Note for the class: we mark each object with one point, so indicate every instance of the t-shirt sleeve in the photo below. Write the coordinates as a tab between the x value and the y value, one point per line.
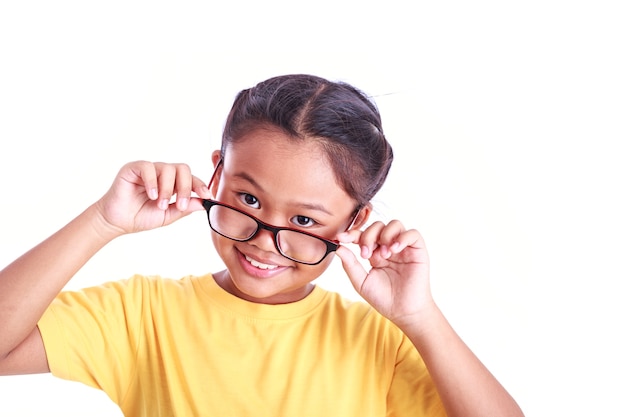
412	391
92	336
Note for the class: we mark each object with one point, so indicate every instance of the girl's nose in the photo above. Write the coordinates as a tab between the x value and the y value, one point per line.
264	240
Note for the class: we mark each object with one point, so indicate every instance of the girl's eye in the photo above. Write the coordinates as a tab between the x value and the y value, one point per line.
250	200
303	221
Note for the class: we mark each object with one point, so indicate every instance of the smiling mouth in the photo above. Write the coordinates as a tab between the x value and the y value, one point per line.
260	265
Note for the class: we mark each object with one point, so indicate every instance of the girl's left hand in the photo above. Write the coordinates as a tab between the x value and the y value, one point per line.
397	285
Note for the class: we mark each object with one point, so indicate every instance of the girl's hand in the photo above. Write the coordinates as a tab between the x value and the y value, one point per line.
139	198
397	284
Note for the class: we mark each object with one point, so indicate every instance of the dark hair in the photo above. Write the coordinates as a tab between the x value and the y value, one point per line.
342	118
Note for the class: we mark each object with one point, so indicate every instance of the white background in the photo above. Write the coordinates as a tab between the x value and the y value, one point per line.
507	119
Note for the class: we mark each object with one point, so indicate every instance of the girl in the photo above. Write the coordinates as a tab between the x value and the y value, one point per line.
301	158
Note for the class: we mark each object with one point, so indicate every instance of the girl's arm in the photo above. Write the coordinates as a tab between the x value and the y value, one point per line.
398	286
30	283
465	385
138	200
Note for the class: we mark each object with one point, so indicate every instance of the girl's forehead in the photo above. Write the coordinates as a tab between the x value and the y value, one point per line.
276	138
274	162
289	169
273	149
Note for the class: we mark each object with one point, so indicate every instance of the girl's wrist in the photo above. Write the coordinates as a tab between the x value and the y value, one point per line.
103	230
421	325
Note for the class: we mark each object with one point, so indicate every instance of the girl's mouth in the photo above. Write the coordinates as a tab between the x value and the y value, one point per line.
259	269
258	264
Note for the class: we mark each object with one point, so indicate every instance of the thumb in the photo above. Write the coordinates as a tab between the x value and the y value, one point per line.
355	271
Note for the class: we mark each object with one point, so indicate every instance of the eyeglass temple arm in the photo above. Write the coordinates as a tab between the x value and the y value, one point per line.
217	166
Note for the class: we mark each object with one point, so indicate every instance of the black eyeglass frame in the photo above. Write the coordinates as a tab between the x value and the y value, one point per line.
331	245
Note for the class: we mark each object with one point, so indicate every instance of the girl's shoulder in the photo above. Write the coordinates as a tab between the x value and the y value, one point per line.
355	315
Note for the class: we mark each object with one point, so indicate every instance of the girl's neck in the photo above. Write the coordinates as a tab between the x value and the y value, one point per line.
224	280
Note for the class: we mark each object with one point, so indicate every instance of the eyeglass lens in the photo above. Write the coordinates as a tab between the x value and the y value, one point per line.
239	226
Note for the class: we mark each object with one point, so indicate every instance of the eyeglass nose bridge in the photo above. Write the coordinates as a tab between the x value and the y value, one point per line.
272	229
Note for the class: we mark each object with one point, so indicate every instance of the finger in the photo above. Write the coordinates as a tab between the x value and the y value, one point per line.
369	239
182	186
390	233
199	187
390	238
411	239
355	271
350	236
408	238
146	172
167	181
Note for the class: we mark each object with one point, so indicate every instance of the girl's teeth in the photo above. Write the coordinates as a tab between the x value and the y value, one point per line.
260	265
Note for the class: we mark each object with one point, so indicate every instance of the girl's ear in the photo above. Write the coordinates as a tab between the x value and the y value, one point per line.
216	157
362	216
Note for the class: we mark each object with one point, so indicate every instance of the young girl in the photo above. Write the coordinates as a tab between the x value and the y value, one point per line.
301	158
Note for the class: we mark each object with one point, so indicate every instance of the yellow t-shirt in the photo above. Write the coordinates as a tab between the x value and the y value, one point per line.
161	347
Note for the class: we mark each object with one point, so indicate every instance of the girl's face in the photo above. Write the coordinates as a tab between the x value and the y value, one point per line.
286	184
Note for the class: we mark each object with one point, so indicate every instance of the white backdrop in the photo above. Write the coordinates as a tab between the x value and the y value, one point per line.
508	122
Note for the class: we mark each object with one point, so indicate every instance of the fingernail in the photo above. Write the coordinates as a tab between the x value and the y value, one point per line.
183	203
163	204
153	193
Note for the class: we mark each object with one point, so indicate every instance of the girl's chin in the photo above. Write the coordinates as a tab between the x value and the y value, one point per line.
255	285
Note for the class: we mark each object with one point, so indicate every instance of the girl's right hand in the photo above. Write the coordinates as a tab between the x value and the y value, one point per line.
139	198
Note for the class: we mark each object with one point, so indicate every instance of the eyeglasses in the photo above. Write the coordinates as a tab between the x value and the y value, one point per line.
296	245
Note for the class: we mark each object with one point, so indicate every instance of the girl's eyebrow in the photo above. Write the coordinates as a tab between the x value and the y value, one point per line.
308	206
313	206
249	179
